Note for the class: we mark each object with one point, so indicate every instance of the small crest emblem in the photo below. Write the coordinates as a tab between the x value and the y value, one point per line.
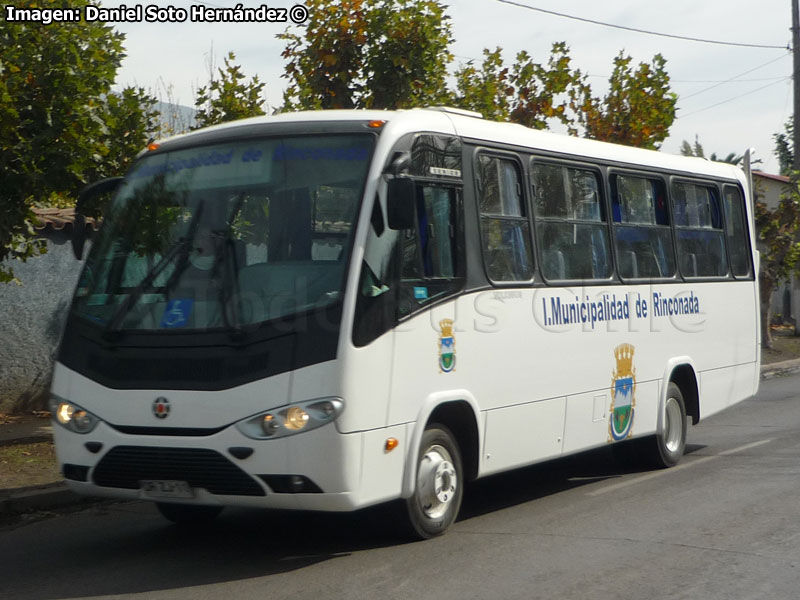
161	407
447	346
623	394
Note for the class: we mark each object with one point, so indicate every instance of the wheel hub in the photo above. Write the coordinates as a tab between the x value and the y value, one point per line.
436	482
673	428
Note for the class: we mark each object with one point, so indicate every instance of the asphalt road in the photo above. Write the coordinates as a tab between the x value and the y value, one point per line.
723	524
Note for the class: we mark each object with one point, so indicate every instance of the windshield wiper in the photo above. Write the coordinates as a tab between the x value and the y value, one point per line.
225	254
180	248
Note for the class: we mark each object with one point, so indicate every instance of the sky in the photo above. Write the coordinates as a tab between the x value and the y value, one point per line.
730	97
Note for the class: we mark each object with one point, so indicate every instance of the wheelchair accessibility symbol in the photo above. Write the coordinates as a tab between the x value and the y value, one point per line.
177	313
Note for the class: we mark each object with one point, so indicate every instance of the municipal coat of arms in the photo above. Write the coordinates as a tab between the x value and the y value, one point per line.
623	394
447	346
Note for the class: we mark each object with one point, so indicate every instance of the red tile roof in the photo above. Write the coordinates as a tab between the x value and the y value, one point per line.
781	178
57	219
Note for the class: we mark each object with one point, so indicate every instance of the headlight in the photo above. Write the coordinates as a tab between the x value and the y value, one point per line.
72	416
288	420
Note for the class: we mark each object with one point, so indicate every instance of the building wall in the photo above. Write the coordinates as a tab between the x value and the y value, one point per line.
32	317
769	190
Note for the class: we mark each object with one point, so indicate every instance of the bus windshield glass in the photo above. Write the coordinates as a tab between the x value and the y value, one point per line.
226	235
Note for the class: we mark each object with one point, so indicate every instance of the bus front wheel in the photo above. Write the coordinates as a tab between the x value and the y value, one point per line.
439	484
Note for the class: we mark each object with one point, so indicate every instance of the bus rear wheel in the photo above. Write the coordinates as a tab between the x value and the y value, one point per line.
188	514
667	446
434	505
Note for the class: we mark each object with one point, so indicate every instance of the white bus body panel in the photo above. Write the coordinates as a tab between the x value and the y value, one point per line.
538	389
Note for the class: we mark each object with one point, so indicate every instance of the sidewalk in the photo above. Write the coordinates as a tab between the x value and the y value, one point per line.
47	496
55	495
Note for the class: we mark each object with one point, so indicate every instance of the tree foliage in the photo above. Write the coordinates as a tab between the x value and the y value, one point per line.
486	89
228	97
544	92
368	54
778	230
784	148
131	121
59	124
638	108
697	150
528	92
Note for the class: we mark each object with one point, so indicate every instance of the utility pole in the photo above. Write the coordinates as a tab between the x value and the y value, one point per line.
796	77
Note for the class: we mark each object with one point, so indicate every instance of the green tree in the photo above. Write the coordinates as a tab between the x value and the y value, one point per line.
544	92
528	93
778	231
638	108
784	148
60	126
228	97
52	80
697	150
131	122
487	89
368	54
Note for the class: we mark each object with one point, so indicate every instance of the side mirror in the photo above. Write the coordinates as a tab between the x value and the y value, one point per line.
400	200
85	198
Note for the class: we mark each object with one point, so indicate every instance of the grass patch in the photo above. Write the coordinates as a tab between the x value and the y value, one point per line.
23	465
786	346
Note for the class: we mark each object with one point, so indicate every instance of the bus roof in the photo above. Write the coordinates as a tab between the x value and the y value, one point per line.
472	126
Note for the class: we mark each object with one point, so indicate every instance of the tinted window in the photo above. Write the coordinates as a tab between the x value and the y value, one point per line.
431	266
736	232
698	225
570	223
504	224
641	228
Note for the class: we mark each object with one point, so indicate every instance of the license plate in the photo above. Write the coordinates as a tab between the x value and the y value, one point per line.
164	488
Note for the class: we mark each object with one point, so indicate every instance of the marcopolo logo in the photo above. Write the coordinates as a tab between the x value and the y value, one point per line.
161	407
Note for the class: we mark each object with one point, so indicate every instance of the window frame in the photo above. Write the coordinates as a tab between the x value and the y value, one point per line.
525	206
718	188
459	247
604	203
658	176
746	227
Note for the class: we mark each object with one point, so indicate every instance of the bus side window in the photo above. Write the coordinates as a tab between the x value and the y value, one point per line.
698	229
736	232
505	228
642	234
430	264
570	222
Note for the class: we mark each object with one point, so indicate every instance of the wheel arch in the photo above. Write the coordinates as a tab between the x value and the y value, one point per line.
458	411
682	372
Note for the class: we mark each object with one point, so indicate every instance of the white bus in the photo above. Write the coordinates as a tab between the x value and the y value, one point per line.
330	310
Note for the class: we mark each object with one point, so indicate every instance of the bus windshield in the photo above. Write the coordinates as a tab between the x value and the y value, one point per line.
226	235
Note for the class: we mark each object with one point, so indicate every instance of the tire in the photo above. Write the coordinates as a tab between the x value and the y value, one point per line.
434	505
188	514
667	446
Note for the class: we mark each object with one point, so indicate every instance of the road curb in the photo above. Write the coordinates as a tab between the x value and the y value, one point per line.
47	497
780	369
31	439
